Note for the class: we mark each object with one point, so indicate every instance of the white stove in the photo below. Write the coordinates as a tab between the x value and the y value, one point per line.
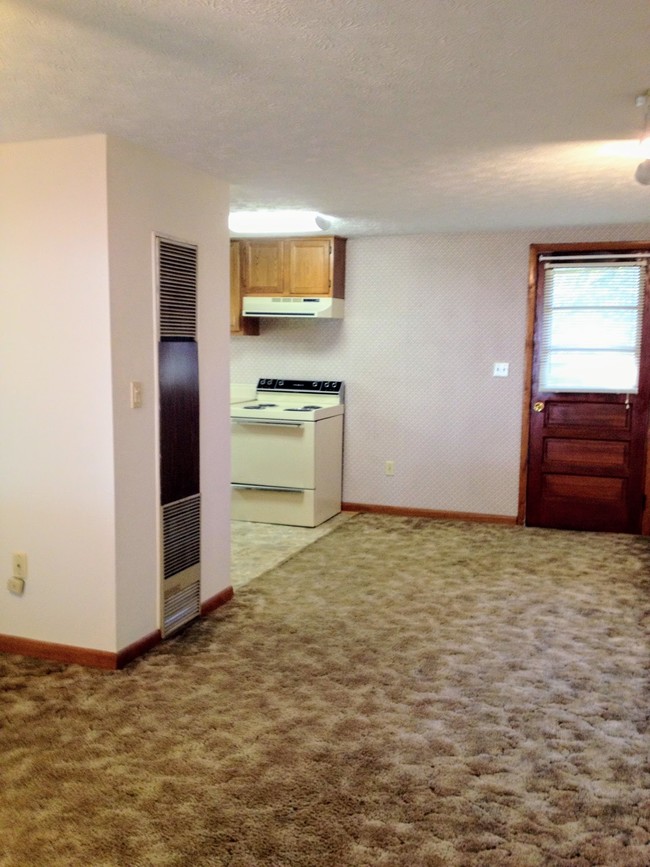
287	450
292	399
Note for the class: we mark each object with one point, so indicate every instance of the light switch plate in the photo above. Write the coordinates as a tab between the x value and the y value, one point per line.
136	394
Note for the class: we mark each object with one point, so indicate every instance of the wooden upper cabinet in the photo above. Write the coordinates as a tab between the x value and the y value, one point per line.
238	324
261	267
307	266
293	266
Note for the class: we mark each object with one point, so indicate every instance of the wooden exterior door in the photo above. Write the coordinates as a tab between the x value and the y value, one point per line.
586	450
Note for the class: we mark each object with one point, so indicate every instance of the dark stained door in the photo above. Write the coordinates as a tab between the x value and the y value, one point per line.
586	454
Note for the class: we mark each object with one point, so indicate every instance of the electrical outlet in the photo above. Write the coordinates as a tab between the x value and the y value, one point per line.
16	586
19	564
389	468
501	368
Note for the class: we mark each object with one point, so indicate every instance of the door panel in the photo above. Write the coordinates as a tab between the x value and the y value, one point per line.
606	456
179	419
584	469
586	451
267	453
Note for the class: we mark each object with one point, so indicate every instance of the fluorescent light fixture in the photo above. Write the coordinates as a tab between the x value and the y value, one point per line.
276	222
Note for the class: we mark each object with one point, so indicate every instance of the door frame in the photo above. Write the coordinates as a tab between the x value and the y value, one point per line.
534	252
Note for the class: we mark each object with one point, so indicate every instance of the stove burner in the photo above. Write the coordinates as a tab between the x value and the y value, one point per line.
300	408
261	406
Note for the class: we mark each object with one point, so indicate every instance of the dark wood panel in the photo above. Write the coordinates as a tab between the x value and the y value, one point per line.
179	419
588	454
592	488
606	415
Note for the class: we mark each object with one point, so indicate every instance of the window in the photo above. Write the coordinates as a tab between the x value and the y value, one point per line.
591	329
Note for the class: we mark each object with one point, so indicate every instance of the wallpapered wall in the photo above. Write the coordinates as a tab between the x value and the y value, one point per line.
426	317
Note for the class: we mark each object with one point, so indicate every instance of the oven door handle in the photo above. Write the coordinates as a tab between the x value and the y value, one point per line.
268	423
242	487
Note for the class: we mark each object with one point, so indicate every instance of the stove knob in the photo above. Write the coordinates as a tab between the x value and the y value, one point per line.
280	382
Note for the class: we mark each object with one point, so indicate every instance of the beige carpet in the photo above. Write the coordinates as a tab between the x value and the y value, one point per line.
402	693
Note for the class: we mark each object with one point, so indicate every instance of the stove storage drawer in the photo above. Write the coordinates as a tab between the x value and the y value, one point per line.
275	453
280	506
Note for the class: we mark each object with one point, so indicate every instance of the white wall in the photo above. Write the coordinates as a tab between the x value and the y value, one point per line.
149	194
56	454
78	487
426	318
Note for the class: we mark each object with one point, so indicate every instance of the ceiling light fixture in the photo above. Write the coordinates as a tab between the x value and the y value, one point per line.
277	222
642	173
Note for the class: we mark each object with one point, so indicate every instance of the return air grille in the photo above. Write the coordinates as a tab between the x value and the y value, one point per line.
181	535
181	605
177	268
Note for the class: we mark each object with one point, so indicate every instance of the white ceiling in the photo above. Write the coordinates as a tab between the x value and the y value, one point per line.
392	116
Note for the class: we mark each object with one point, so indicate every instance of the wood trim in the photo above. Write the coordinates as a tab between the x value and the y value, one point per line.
592	247
91	658
217	600
528	382
138	648
476	517
58	652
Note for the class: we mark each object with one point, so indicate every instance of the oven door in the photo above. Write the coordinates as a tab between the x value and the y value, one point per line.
276	454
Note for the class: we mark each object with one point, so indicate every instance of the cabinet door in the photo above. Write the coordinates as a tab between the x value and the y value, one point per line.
238	325
235	295
262	267
308	266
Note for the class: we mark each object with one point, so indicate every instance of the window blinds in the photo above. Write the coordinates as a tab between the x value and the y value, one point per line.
591	327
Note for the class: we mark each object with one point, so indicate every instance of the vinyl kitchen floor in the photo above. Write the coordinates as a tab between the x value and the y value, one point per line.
256	548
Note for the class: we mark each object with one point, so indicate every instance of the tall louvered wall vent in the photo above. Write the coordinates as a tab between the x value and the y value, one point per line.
177	264
179	434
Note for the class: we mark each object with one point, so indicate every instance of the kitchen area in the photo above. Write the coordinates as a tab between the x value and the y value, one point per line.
286	434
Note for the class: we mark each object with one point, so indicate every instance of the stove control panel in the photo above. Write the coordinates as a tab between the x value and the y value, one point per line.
302	386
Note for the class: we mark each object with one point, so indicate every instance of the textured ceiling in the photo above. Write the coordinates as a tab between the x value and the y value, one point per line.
392	116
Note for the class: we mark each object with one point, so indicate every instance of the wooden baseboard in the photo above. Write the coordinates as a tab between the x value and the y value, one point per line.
138	648
217	600
476	517
91	658
58	652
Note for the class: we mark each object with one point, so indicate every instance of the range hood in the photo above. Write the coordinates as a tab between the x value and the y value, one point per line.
290	307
